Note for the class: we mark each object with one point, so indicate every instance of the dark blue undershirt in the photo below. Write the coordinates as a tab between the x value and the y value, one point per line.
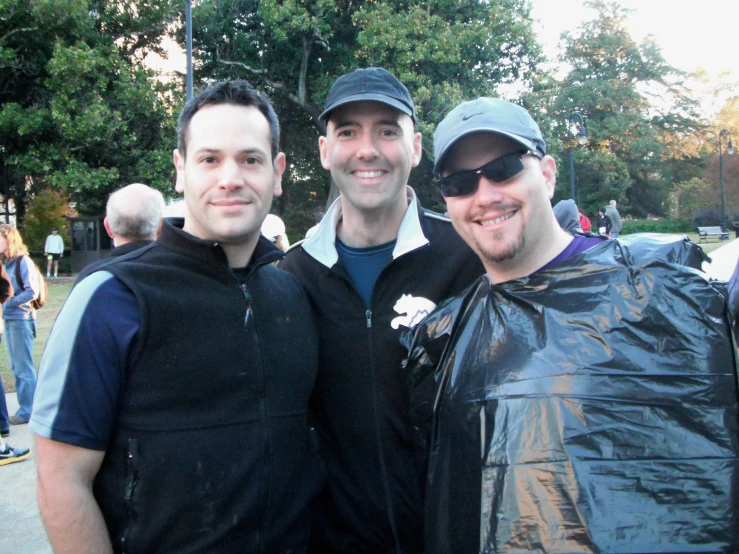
579	243
364	266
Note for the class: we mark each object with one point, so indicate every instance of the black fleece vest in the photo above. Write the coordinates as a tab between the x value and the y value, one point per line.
211	452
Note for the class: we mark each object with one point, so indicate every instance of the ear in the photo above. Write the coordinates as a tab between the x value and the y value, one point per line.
179	164
549	171
417	150
106	224
279	164
323	150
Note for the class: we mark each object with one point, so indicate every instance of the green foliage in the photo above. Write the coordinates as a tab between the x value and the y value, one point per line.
294	50
634	152
673	226
48	209
688	197
78	109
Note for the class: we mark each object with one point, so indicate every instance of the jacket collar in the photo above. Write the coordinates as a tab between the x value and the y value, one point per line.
208	251
129	247
322	244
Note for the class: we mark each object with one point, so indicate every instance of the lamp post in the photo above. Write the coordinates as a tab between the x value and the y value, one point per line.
730	150
582	138
188	49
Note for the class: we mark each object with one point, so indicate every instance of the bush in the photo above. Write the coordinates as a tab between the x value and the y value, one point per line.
672	226
65	264
707	217
48	209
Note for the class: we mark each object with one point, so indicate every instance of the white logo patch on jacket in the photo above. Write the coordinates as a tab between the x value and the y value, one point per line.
415	309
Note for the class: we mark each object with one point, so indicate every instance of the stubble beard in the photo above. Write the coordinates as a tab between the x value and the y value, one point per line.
506	252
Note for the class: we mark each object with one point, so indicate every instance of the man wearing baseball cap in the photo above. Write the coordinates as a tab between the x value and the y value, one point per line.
582	395
377	264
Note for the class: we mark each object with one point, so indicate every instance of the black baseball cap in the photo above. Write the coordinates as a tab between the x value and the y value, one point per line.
373	83
492	115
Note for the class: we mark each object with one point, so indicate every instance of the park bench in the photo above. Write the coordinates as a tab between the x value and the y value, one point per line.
705	232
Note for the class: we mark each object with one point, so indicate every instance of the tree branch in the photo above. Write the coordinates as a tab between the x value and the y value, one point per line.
300	99
19	30
305	56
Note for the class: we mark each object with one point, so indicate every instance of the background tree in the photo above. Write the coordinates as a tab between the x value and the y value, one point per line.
637	112
48	209
78	110
444	51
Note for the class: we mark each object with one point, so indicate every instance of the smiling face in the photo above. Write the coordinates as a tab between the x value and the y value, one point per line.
228	176
370	149
510	224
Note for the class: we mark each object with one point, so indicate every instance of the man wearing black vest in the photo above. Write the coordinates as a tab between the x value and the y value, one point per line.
171	408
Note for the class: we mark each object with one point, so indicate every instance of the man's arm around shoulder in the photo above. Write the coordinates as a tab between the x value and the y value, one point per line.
71	515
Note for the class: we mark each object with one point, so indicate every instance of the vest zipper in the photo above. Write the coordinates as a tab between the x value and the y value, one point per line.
128	491
368	318
264	409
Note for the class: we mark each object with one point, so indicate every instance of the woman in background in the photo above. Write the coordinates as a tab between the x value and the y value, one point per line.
20	318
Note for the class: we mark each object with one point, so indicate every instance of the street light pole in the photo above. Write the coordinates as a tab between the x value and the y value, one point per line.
582	138
188	49
729	150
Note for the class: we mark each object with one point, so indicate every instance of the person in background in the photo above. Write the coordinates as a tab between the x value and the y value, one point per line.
565	211
274	229
6	292
584	221
20	318
53	250
615	218
133	217
603	222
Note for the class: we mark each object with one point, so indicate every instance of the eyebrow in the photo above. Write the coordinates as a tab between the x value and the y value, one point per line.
240	152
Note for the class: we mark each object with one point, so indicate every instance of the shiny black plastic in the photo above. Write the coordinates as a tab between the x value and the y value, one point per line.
591	407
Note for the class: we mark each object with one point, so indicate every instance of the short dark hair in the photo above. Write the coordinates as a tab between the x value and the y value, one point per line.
238	93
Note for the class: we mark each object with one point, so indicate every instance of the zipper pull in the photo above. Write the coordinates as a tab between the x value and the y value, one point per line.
247	298
368	317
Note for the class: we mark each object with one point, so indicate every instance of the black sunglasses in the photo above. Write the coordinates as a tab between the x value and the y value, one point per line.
499	170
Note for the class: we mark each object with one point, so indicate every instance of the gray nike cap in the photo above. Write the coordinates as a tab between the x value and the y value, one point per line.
491	115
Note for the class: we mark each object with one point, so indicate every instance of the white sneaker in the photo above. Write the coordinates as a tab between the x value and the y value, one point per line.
11	455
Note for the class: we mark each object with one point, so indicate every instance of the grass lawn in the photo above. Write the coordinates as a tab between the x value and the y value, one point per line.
58	291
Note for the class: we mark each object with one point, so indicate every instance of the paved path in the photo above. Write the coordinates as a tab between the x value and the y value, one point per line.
724	261
21	530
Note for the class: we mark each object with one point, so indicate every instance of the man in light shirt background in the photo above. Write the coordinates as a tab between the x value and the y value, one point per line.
53	250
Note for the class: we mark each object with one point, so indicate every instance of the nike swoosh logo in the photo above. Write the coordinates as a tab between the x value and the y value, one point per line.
466	117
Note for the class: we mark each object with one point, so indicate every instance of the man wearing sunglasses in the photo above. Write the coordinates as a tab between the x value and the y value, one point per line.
377	264
582	396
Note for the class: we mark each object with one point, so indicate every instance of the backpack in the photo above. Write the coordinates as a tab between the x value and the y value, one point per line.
43	289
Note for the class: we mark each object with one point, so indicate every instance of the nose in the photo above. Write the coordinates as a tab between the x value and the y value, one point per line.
367	149
230	177
488	192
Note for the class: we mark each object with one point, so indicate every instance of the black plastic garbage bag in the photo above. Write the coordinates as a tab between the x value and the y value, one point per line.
591	407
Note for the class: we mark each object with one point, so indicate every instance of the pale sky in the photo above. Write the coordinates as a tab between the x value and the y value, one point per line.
691	34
